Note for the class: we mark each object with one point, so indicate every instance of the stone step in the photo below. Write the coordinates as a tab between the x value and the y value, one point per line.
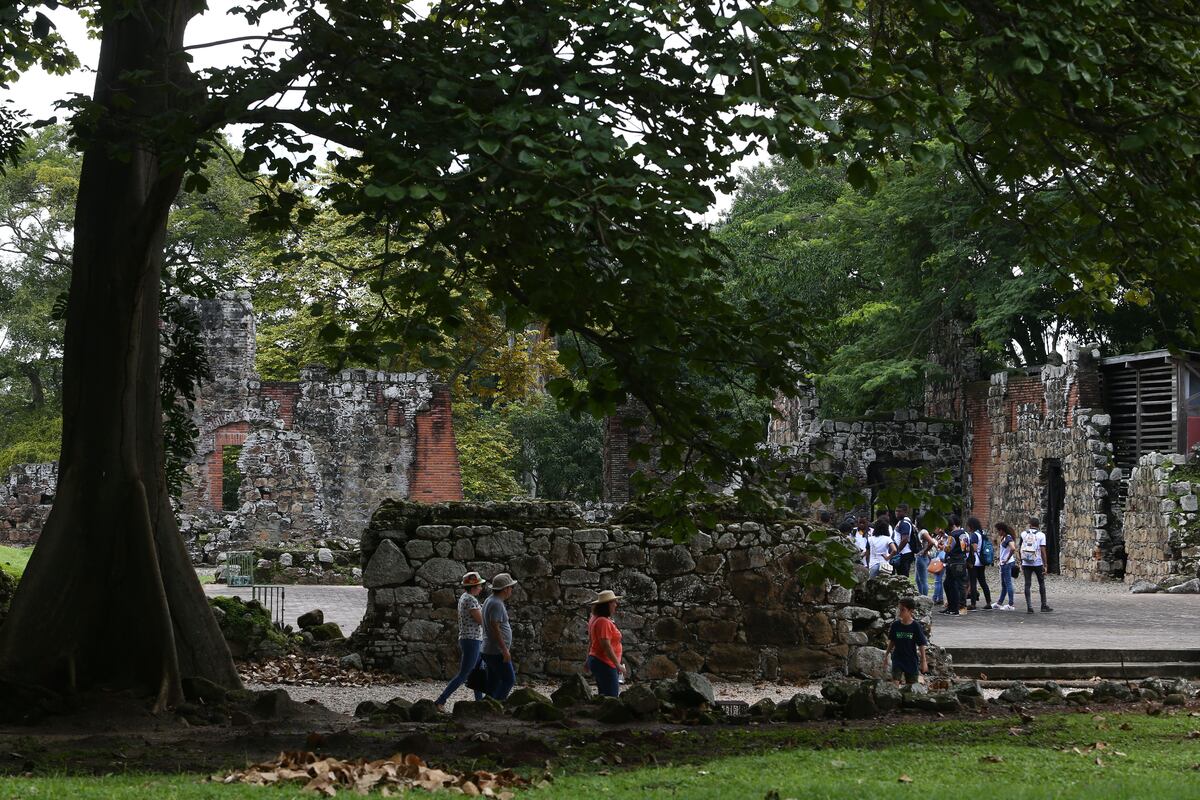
1080	671
1062	655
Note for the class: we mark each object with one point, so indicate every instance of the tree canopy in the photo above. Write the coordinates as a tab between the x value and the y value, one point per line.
552	154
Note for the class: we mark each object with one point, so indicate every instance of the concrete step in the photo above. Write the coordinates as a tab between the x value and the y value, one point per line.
1081	671
1062	655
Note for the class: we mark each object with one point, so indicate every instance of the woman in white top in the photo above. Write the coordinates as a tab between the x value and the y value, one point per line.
470	636
880	546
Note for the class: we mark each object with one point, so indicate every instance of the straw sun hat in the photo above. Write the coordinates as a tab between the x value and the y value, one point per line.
502	581
606	596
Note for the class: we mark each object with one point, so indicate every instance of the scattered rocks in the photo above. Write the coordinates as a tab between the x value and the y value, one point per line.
692	690
574	691
1111	692
804	708
326	632
613	712
311	619
1016	694
353	661
475	709
1143	587
1187	587
524	696
642	700
425	711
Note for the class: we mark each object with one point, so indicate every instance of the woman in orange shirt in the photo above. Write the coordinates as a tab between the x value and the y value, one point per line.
604	645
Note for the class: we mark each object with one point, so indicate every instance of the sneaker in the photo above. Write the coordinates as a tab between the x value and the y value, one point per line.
997	606
1009	608
1029	610
986	607
1046	608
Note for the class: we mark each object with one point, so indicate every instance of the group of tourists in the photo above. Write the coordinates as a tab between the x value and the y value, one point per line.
485	640
956	557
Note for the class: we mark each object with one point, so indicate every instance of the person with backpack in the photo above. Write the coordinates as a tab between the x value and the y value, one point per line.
1008	562
982	555
906	638
1033	562
923	547
905	539
880	547
957	552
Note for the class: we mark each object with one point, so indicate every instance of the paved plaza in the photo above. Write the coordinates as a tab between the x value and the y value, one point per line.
1086	615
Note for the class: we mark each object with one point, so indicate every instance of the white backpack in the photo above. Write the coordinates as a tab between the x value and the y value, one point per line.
1029	546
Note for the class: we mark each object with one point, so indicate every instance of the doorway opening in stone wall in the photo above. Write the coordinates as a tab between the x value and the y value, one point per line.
1054	495
231	477
883	475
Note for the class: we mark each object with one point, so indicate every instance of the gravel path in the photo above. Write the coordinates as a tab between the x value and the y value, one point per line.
344	699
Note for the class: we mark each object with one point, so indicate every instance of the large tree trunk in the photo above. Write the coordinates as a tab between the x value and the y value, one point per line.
109	598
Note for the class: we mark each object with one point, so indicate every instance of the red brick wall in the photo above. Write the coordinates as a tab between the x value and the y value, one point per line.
436	476
232	434
982	467
285	393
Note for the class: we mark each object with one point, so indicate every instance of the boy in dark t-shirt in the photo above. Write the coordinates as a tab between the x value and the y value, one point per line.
906	640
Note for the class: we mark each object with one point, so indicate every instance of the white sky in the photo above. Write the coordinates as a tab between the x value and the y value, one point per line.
36	92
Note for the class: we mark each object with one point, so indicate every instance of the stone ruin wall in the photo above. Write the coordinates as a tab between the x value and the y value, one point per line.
1020	426
318	455
25	498
727	603
864	450
1162	523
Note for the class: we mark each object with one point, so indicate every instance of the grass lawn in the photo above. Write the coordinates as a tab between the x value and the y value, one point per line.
1059	756
14	559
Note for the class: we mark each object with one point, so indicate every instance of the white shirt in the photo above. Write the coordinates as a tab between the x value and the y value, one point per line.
1031	545
879	549
1006	555
978	534
860	541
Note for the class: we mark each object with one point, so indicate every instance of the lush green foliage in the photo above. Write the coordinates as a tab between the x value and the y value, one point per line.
29	436
559	456
486	452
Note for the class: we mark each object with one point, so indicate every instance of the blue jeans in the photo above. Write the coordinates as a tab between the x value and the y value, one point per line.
923	574
1006	585
470	657
938	596
608	679
501	676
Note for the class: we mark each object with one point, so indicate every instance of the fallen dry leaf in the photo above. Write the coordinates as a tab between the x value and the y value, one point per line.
904	779
326	776
992	759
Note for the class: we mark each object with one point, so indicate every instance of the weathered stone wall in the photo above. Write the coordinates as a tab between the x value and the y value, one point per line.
318	454
864	451
1035	423
1162	526
25	498
727	603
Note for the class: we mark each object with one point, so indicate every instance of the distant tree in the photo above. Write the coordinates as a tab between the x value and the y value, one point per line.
559	457
486	452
